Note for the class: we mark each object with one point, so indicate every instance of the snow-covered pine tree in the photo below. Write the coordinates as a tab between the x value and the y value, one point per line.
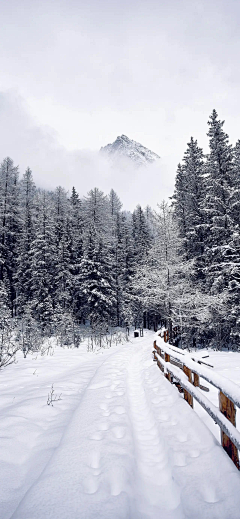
43	264
76	253
97	283
61	223
96	272
27	191
235	195
188	200
116	251
8	346
141	234
9	227
220	250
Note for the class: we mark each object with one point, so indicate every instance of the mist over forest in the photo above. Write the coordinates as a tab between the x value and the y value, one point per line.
68	261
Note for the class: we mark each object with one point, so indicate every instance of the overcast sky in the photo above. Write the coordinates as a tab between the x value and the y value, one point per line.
77	73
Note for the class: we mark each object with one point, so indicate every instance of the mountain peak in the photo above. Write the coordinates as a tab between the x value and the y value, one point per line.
124	147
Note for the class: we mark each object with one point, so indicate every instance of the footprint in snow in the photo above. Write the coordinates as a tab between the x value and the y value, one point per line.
194	453
90	485
108	395
98	435
94	461
104	406
119	432
103	427
179	459
119	409
120	393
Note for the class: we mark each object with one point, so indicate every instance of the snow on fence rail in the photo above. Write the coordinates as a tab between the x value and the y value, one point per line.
183	370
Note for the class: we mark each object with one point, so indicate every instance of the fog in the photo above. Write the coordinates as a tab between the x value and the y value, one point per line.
75	74
29	144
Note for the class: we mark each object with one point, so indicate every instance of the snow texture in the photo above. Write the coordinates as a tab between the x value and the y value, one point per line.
121	443
125	147
212	410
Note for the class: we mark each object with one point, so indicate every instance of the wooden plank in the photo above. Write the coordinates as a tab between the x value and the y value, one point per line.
228	409
187	395
176	363
204	388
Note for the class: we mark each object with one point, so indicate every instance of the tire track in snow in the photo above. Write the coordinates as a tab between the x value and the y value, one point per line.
134	450
156	493
88	456
88	371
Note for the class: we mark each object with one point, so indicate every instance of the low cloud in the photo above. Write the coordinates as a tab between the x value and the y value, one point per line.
30	144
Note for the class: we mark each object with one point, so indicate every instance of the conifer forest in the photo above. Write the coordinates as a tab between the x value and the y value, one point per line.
68	262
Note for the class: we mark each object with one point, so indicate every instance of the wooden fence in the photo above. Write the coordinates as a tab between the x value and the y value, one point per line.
184	370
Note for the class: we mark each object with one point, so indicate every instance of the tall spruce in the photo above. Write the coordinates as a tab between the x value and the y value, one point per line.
28	225
188	203
9	227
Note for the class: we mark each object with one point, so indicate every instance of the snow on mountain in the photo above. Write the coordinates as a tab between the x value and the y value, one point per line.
123	147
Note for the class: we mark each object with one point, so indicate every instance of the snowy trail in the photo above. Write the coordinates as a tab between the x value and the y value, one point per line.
31	431
132	449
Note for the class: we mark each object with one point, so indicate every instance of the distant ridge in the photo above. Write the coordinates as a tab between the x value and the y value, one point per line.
125	147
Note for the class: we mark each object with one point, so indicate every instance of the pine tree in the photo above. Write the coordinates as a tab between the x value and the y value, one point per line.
188	202
141	234
76	231
97	283
43	266
28	224
222	271
97	215
9	227
8	346
61	224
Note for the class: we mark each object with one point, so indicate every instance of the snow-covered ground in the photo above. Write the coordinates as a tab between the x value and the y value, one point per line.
120	444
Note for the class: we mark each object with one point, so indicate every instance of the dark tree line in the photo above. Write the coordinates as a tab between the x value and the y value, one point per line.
66	260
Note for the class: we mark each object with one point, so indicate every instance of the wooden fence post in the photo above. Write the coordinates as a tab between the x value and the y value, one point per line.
154	352
195	379
228	409
187	395
167	359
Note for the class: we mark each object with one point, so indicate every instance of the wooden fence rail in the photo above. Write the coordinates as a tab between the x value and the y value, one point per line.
184	370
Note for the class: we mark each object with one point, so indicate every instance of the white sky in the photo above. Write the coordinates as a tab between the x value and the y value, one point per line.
77	73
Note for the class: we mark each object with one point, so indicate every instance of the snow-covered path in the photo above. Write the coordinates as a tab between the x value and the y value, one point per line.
129	448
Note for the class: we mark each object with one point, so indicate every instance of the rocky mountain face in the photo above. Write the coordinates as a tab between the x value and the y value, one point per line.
123	147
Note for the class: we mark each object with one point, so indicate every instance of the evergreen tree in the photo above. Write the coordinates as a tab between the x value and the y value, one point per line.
9	227
97	283
28	223
76	230
188	201
62	242
218	208
141	234
43	267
